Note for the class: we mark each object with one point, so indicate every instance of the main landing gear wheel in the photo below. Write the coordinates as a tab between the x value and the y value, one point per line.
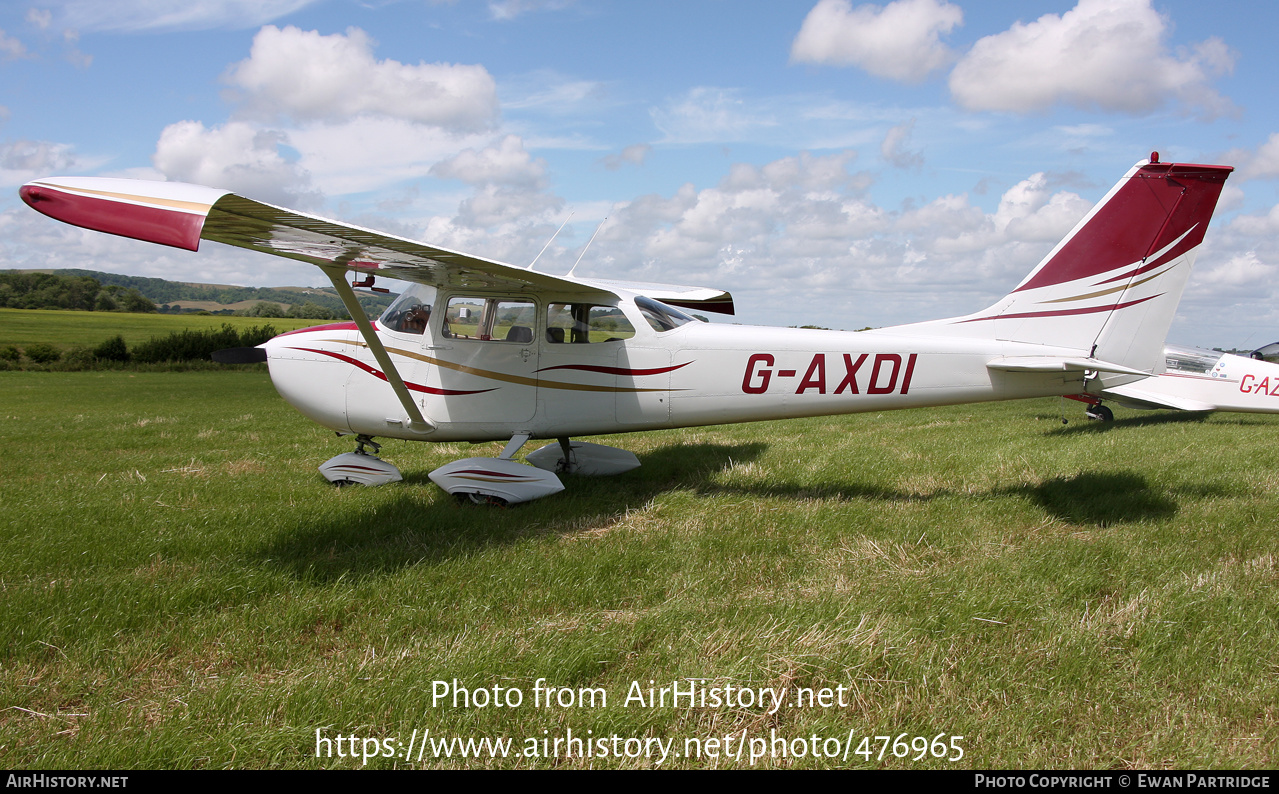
1099	413
359	467
470	498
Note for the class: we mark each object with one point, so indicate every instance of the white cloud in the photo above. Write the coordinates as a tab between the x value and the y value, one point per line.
707	114
494	205
635	154
900	41
1262	164
510	9
40	17
796	228
311	77
1243	271
71	38
1258	225
24	160
235	156
156	15
10	48
893	149
550	93
368	153
506	163
1107	54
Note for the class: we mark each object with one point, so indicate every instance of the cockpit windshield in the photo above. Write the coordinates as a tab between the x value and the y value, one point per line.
411	311
1190	359
661	316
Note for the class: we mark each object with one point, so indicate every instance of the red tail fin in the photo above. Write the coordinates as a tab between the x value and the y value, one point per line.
1111	287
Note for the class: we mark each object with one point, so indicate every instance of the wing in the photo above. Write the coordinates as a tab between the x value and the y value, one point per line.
180	215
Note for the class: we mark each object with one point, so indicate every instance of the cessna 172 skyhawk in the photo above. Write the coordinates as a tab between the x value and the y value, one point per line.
476	350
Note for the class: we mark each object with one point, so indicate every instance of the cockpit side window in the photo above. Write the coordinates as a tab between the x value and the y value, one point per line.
661	316
410	312
1190	359
490	319
584	323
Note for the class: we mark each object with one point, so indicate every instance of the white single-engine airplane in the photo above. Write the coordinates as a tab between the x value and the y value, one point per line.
477	350
1198	380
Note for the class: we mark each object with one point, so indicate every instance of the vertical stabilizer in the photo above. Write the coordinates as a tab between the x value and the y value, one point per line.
1111	287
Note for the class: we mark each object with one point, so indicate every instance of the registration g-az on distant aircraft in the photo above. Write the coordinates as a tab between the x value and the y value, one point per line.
477	350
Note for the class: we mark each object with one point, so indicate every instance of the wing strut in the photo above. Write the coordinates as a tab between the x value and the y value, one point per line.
417	422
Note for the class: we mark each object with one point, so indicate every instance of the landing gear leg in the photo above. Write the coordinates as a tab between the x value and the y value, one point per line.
1099	413
565	464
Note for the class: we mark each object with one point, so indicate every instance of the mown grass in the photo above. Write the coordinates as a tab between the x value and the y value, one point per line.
66	329
181	589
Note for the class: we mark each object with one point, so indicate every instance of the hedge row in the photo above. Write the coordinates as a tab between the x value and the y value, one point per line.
177	348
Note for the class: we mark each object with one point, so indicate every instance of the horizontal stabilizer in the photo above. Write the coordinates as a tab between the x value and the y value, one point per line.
1058	364
1139	398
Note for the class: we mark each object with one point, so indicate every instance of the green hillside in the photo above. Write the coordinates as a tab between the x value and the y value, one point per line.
178	296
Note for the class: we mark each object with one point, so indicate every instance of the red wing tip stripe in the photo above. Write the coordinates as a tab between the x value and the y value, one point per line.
616	370
408	384
358	468
1060	312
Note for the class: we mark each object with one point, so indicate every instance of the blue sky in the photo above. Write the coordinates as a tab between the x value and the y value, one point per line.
830	162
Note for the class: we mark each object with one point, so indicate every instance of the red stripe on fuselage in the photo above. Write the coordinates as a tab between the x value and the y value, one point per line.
409	385
1060	312
615	370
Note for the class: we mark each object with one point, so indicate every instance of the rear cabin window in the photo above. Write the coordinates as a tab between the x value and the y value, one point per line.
490	319
584	323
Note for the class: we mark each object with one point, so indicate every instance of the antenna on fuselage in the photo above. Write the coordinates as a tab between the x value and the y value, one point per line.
588	245
548	242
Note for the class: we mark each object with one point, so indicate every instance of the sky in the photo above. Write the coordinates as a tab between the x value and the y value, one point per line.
828	162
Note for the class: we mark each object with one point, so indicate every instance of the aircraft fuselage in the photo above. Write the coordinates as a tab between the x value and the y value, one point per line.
482	389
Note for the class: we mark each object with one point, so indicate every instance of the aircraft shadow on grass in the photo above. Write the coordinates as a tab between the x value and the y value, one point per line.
382	538
1163	419
1147	420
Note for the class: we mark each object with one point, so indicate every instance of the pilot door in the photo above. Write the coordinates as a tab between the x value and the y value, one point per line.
481	365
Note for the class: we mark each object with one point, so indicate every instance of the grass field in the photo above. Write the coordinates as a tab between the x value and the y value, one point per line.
181	589
63	329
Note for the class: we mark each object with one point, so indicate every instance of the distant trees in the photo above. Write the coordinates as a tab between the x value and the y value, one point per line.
263	309
99	291
85	293
308	310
